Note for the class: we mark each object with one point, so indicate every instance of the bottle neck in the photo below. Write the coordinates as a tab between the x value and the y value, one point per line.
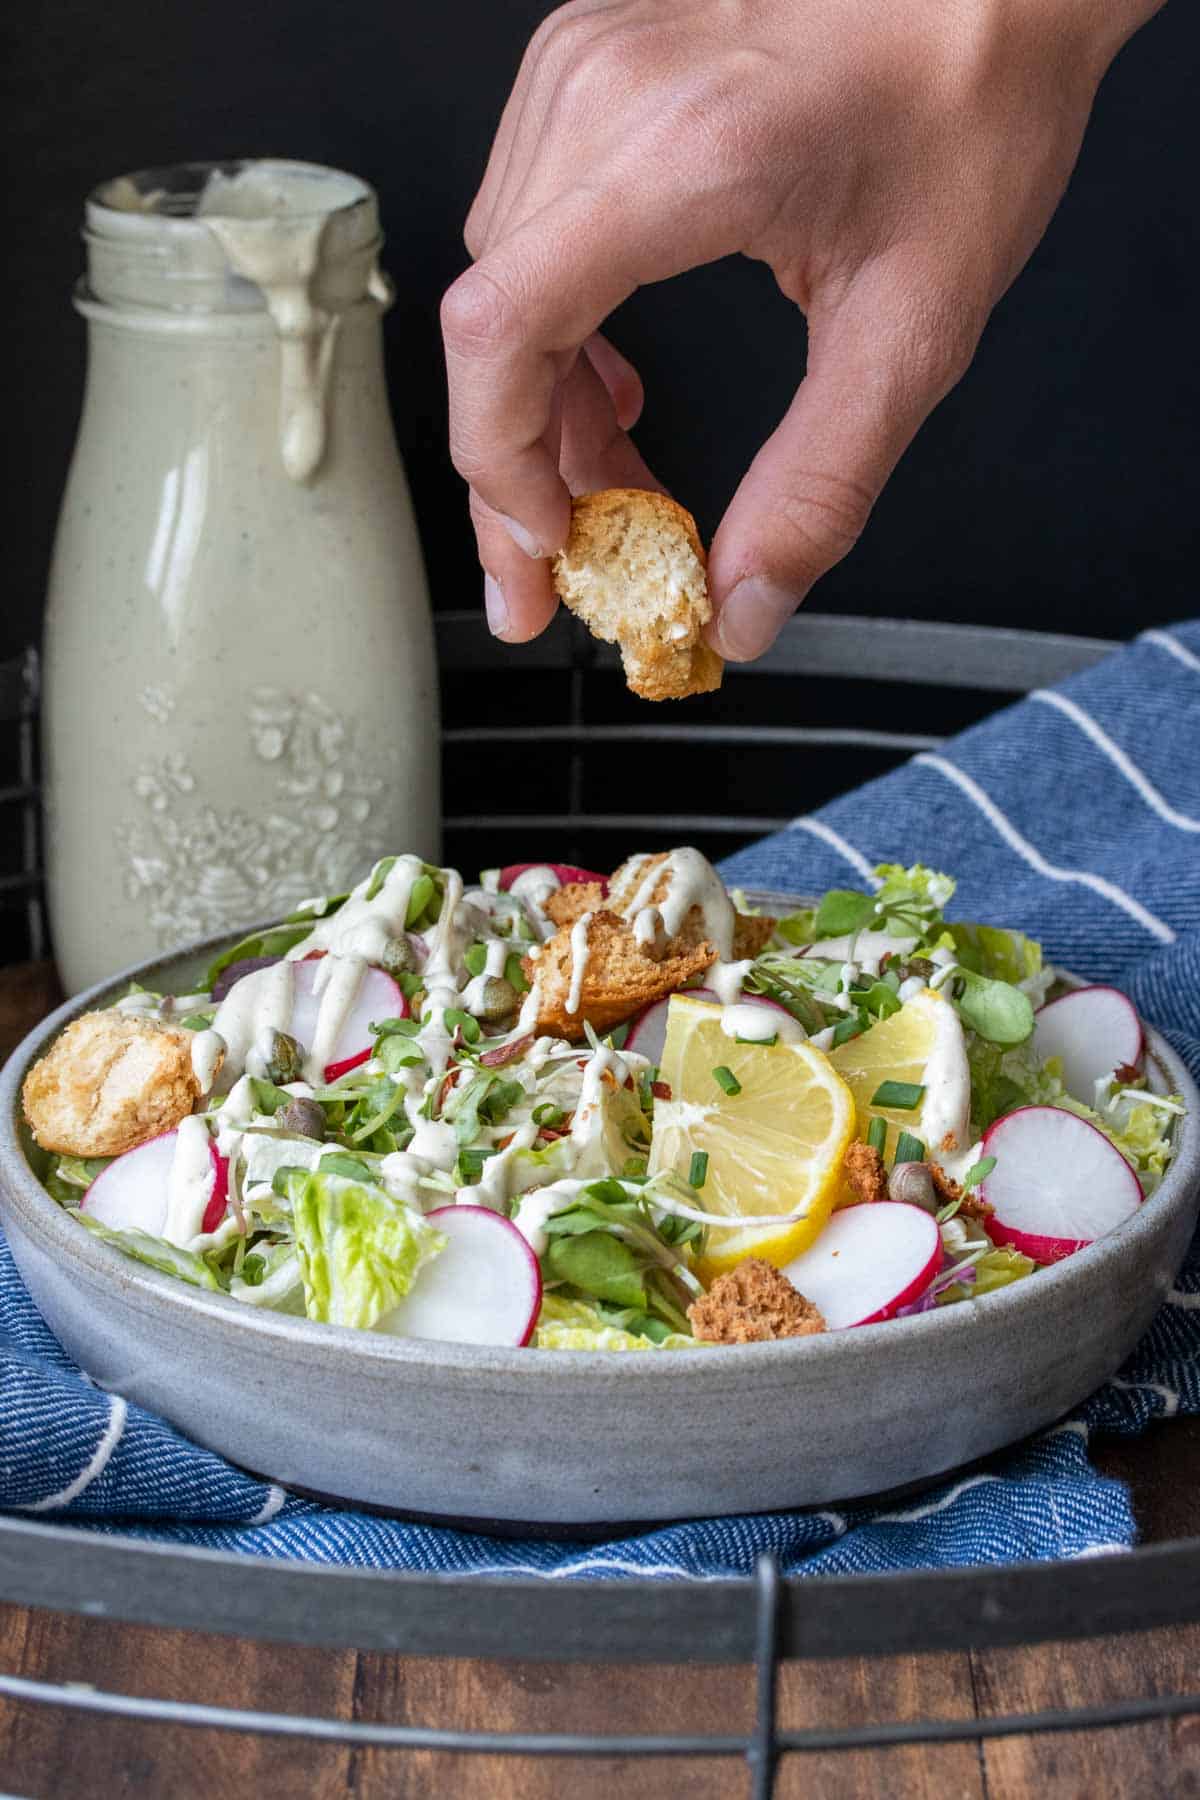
214	247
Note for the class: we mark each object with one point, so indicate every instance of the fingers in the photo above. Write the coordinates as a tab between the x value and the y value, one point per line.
872	381
518	594
512	327
596	452
619	376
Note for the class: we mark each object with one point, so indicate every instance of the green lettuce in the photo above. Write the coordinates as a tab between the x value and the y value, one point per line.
994	1270
913	889
1003	1079
154	1251
574	1325
360	1249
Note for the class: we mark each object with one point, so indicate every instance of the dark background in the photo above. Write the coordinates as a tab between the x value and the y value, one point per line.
1056	487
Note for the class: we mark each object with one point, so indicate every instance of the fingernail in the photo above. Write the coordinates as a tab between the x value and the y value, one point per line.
495	605
521	538
754	613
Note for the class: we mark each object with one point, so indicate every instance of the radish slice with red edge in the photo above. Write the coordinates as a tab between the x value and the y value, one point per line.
868	1263
485	1287
131	1193
647	1031
1093	1031
1058	1184
568	875
335	1071
378	998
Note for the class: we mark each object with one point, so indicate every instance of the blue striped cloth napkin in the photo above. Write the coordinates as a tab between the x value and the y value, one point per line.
1076	814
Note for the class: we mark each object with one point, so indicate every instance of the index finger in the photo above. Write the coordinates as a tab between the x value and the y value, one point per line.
513	325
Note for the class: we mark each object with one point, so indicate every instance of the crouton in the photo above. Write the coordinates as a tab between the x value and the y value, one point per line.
110	1082
752	1304
619	978
863	1168
634	570
751	932
569	903
970	1204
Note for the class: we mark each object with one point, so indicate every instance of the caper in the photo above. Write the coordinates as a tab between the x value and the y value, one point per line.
912	1185
498	1001
918	966
398	957
283	1058
303	1116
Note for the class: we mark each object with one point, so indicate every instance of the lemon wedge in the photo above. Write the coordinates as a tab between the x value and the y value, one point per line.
922	1044
773	1120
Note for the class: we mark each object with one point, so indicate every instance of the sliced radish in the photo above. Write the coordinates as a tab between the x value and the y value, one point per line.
334	1071
131	1193
377	998
1093	1030
485	1287
647	1031
1058	1183
566	873
869	1262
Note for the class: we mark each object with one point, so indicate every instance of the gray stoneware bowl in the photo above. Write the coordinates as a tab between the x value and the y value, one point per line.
565	1437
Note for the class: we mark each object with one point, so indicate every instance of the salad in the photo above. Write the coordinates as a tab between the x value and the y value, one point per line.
623	1112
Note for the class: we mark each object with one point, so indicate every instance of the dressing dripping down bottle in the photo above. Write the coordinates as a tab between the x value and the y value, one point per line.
240	702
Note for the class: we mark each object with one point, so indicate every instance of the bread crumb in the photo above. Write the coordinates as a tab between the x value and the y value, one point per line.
863	1168
971	1205
618	978
634	570
752	1304
110	1082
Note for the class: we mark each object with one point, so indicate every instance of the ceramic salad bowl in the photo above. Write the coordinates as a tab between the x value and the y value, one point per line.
562	1437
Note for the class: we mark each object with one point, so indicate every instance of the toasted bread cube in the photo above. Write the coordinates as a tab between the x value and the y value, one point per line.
618	979
110	1082
634	570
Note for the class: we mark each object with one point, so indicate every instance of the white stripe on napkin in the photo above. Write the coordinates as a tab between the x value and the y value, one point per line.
111	1438
829	836
1118	758
1012	837
1179	651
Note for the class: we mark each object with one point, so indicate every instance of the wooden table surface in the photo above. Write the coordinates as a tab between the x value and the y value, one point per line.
48	1753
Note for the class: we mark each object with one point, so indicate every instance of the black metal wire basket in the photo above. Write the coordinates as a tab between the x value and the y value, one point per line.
588	746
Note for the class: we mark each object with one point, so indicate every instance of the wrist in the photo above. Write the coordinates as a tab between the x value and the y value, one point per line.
1102	27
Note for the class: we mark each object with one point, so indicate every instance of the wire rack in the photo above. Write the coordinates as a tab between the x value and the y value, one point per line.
740	735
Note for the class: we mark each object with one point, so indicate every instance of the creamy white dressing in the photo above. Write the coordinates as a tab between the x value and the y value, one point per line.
191	1180
910	988
207	1048
760	1023
579	960
533	887
494	1187
336	983
690	881
867	948
363	927
401	1173
537	1208
256	1005
433	1140
727	979
946	1109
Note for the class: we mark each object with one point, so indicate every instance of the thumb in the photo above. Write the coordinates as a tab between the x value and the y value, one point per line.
806	498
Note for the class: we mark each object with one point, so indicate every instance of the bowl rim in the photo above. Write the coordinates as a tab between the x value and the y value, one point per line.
148	1290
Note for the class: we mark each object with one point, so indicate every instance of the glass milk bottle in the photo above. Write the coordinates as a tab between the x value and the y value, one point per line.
240	706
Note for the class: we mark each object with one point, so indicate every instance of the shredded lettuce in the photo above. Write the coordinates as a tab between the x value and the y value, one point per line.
574	1325
995	1269
154	1251
360	1249
917	887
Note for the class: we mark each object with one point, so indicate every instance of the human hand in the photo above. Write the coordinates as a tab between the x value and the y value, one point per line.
895	165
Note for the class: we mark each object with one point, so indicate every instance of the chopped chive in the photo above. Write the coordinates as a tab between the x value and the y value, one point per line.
877	1134
548	1114
847	1028
908	1149
698	1170
726	1079
978	1172
901	1096
476	959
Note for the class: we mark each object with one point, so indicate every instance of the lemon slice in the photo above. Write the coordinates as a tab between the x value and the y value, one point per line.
774	1121
923	1044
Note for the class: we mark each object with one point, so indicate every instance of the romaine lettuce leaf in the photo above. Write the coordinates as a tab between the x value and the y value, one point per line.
360	1249
154	1251
573	1325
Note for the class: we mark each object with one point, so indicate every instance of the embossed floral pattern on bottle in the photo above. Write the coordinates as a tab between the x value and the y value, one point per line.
198	869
